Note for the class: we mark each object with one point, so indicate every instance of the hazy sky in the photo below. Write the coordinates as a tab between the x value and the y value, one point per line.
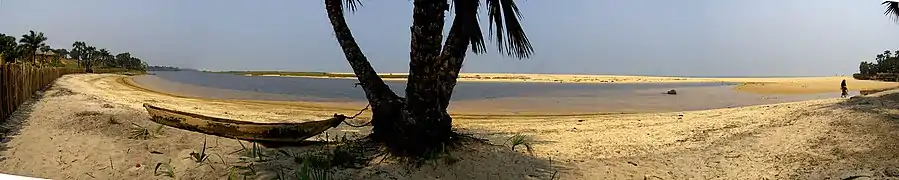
639	37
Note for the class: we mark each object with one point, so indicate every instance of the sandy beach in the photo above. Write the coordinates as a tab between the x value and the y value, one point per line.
795	85
78	129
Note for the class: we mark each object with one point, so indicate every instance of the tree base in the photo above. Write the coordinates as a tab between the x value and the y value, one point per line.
412	135
428	153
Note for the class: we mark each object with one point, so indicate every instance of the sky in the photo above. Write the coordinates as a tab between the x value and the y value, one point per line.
635	37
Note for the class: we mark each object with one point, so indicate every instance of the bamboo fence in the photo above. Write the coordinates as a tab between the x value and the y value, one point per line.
19	82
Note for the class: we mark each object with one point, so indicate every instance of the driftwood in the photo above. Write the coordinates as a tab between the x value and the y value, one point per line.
244	130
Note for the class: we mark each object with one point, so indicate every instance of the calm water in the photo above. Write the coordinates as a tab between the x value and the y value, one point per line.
477	96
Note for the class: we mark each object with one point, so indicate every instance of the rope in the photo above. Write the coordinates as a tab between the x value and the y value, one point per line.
357	114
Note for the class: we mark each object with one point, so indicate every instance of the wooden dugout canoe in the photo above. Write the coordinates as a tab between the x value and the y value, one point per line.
244	130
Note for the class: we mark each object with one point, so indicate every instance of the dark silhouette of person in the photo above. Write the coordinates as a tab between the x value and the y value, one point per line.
844	89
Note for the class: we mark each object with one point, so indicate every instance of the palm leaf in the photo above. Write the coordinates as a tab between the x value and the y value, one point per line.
351	5
892	10
504	14
467	13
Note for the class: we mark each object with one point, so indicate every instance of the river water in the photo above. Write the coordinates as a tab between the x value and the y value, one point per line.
478	97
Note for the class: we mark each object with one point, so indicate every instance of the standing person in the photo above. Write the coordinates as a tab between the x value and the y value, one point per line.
844	89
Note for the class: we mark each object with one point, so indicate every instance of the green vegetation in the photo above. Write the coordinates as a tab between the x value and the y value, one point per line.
305	74
884	67
201	156
315	161
162	68
886	64
166	170
93	58
519	139
32	49
32	42
141	132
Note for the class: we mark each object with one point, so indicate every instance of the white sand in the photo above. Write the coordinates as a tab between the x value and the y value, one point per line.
822	139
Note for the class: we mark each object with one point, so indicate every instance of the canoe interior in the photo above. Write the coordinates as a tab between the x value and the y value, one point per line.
244	130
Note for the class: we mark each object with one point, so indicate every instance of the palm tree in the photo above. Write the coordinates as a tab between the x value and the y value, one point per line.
123	60
105	57
32	41
419	123
7	47
90	57
82	52
62	53
892	9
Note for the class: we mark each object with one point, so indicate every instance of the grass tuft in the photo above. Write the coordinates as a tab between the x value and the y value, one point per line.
201	156
348	153
139	132
167	170
158	129
254	152
113	120
87	113
313	168
520	139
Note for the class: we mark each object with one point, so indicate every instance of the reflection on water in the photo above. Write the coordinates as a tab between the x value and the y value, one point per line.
478	97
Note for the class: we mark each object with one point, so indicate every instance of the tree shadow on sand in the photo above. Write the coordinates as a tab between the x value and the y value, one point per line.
351	157
11	127
863	140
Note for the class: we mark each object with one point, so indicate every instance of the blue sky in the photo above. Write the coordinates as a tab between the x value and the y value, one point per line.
637	37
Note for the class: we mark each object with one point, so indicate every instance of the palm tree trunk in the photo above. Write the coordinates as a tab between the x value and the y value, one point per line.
426	122
411	125
460	35
386	106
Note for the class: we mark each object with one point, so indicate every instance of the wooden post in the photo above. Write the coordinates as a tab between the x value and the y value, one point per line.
19	83
2	95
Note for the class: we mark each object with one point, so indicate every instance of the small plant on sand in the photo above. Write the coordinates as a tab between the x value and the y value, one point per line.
113	120
241	172
202	156
158	129
310	166
164	169
348	153
234	175
139	132
519	139
88	113
253	152
313	168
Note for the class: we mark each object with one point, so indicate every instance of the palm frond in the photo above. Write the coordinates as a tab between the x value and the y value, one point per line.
892	10
351	5
495	17
515	43
467	13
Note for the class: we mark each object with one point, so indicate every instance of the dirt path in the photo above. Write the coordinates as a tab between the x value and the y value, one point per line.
79	129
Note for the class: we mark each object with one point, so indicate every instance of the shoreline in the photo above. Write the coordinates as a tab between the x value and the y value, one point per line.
762	85
612	101
352	106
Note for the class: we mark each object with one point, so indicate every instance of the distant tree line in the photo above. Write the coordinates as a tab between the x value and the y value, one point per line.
886	62
32	49
162	68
